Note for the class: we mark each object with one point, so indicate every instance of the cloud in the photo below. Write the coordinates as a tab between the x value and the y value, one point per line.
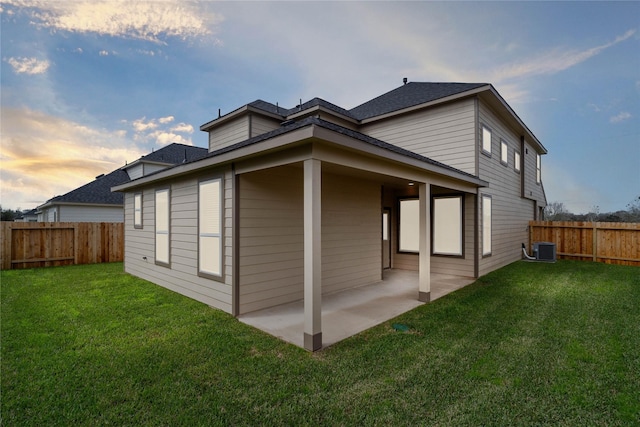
28	65
555	61
44	156
621	117
160	132
149	20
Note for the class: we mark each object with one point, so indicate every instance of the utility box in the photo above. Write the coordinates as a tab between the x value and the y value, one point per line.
545	251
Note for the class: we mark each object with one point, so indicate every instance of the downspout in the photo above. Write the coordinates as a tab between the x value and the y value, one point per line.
476	231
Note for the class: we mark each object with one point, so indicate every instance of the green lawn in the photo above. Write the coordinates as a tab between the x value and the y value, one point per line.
530	344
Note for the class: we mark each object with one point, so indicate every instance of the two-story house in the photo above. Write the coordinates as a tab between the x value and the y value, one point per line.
293	204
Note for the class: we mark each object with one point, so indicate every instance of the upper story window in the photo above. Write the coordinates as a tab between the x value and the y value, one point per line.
504	153
516	161
486	140
538	168
137	210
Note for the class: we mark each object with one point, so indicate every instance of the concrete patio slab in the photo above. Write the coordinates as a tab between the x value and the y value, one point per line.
351	311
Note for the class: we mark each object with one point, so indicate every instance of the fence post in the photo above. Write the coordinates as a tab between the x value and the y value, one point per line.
595	242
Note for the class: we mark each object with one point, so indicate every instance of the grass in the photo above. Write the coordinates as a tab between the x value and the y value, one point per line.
530	344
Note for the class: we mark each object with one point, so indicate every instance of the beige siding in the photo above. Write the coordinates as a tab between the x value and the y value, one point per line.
229	133
272	236
260	125
510	212
445	133
351	233
532	190
135	171
182	276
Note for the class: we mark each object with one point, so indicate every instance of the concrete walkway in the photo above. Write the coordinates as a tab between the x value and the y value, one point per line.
349	312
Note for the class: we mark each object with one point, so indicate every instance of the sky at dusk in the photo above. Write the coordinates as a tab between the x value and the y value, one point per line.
87	86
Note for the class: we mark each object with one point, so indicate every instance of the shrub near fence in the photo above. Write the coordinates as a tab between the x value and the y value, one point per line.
608	242
47	244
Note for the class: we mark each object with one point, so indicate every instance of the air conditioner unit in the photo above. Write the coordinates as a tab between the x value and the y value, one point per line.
545	251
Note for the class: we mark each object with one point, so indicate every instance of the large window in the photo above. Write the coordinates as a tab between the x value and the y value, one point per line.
137	210
409	235
162	227
538	168
486	225
447	225
486	140
210	228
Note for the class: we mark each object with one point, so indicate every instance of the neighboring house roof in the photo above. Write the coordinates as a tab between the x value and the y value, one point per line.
98	192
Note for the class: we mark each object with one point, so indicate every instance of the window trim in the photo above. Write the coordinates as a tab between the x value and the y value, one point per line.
399	237
487	198
155	226
516	160
484	128
504	152
138	225
202	273
434	252
538	168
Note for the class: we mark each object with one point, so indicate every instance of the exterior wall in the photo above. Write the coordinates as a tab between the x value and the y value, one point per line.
229	133
150	168
351	233
462	266
260	125
532	189
272	236
135	171
444	133
182	275
509	211
90	214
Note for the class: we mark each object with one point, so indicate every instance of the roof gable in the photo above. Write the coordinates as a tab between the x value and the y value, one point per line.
410	95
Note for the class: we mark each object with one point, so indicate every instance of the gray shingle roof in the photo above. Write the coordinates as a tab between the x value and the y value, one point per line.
409	95
405	96
99	190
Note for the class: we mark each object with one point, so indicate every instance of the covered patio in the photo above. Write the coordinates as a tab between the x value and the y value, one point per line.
348	312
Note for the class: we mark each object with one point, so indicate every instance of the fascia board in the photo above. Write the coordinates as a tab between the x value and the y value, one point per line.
289	138
320	108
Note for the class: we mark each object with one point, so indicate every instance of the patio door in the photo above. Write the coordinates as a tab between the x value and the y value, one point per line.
386	238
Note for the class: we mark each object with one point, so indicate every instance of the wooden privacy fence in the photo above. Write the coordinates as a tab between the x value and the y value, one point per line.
47	244
608	242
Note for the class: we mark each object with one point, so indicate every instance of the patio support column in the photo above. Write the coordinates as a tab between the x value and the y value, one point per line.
424	288
312	255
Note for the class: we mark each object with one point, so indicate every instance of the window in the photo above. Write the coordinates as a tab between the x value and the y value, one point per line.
516	161
162	227
409	234
486	225
486	140
447	225
385	226
137	210
538	168
210	228
504	153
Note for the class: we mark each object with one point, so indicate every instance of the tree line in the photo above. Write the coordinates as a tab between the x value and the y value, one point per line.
557	211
